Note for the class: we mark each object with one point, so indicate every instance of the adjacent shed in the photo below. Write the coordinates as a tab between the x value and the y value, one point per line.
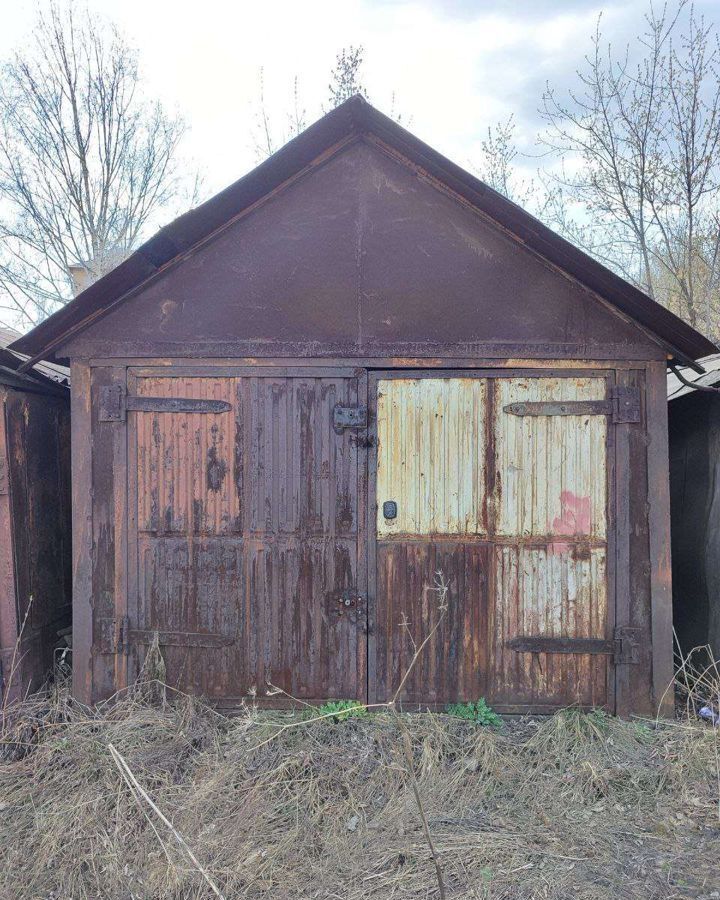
35	529
694	417
354	368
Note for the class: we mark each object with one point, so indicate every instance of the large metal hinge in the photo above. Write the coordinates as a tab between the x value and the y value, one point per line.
113	635
624	647
622	407
115	402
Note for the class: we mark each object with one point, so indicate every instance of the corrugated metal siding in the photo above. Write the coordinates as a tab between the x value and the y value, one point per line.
186	466
248	535
554	591
539	548
431	445
551	470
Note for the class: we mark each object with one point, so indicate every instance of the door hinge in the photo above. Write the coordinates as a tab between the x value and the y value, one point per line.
626	404
622	407
113	635
624	647
115	402
627	645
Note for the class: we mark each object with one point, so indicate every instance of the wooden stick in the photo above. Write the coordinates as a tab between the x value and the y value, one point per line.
138	791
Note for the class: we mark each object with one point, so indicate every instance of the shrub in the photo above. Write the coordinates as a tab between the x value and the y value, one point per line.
342	709
478	712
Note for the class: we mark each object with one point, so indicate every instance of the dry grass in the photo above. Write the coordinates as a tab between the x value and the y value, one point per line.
576	806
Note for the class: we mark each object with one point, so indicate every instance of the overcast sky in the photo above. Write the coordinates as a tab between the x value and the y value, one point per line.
455	66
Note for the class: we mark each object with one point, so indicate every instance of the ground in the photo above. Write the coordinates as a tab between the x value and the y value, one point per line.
277	806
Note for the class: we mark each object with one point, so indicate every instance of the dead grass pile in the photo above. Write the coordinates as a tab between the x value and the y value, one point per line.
576	806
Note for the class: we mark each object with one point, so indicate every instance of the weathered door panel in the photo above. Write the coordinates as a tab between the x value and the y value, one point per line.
453	664
512	509
431	462
303	530
247	537
431	455
550	476
551	496
557	590
186	462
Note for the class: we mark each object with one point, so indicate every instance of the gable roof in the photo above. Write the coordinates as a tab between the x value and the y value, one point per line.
354	118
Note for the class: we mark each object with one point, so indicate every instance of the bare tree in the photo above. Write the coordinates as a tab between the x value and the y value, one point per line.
640	139
85	163
345	80
499	154
267	138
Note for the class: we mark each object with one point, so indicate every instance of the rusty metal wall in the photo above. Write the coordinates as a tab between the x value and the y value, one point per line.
35	523
431	455
524	497
247	538
551	470
363	258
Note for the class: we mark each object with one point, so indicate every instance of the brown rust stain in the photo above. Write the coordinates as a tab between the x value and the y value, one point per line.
216	470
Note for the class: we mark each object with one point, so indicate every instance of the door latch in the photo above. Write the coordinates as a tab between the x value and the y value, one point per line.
346	601
349	417
389	508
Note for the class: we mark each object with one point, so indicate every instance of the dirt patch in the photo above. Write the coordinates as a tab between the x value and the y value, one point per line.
576	806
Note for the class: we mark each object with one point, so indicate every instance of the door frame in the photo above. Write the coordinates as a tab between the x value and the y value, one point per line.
609	374
127	601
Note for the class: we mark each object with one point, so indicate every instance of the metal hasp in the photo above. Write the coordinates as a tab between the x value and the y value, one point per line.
349	417
624	648
115	403
622	407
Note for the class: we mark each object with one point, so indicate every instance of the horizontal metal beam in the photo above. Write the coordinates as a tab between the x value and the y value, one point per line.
622	407
561	645
624	647
180	638
176	404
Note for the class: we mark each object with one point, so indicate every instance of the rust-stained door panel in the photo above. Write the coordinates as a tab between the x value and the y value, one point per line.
431	455
512	509
247	534
550	558
431	462
550	469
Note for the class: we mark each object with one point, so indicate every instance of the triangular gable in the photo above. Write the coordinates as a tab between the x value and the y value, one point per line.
345	124
363	257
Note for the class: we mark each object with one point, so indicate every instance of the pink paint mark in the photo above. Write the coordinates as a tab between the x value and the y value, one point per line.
575	515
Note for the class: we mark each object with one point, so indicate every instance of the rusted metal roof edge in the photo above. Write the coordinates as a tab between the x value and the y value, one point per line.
357	116
32	381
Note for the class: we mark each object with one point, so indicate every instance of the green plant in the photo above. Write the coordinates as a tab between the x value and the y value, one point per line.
478	712
342	709
598	718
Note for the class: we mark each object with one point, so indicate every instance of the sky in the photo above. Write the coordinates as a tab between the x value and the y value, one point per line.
454	67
